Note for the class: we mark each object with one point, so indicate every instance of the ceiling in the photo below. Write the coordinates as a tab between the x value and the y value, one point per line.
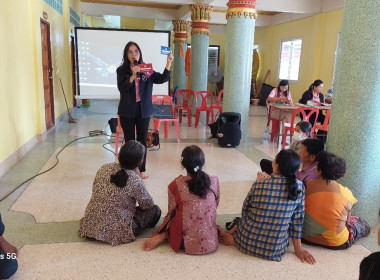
269	11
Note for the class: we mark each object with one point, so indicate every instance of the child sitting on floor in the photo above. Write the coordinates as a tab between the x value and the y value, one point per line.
301	132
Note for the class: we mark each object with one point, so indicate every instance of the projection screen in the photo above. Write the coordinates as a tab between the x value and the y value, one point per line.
99	53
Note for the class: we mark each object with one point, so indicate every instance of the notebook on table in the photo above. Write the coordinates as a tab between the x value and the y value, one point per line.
162	111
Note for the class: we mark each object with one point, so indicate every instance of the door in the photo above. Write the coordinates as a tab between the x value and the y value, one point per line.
73	70
47	74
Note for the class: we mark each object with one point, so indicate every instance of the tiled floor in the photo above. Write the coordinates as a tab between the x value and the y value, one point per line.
41	216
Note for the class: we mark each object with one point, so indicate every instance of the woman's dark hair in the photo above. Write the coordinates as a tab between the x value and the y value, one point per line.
193	159
316	83
288	163
125	61
282	84
331	166
370	267
130	156
304	126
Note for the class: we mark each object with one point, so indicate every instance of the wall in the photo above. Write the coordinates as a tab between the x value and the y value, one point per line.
22	110
18	107
319	34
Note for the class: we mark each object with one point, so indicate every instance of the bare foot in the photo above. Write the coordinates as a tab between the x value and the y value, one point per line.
225	237
143	175
153	242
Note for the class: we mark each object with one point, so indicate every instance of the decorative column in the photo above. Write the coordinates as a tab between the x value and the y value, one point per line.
200	16
180	46
241	18
354	129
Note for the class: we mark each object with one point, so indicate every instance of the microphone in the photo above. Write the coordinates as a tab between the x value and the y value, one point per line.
138	73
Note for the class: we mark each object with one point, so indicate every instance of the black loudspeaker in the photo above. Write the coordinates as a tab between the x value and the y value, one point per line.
229	133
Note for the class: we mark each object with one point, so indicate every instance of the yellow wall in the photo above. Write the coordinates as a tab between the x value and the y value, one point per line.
17	81
22	111
137	23
319	36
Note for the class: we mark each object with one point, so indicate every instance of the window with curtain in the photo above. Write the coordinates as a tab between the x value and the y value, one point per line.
290	57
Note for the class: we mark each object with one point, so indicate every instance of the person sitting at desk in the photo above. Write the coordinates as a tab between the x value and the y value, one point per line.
280	94
314	94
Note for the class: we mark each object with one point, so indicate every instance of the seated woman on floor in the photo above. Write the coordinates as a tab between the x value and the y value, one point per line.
328	206
111	215
191	220
272	213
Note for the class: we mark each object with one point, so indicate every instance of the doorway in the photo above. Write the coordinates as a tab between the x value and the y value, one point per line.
47	71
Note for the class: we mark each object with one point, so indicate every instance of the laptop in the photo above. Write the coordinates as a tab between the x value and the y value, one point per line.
162	111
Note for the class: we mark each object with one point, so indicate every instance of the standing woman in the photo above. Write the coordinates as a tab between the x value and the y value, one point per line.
280	94
135	107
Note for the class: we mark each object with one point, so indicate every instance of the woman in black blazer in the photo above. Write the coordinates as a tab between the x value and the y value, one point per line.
135	106
314	93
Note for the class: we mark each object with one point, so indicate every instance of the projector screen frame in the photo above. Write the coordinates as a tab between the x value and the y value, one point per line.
78	96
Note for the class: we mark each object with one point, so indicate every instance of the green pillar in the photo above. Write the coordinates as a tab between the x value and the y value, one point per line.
238	61
354	128
200	16
180	41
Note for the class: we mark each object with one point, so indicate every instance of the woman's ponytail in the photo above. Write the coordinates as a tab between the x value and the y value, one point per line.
193	160
130	157
288	163
120	178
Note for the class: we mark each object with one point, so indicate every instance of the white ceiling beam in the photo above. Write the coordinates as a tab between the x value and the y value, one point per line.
290	6
286	17
184	13
329	5
127	11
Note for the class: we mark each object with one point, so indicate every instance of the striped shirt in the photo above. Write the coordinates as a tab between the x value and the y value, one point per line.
269	218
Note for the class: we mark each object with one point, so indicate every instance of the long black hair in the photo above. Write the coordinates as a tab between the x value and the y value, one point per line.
282	84
193	159
125	62
331	166
288	163
316	83
130	157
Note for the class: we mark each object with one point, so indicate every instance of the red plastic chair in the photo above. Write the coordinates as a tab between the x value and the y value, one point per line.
162	99
305	117
203	106
119	131
185	100
325	125
217	105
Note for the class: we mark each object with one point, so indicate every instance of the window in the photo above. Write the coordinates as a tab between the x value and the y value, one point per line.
290	59
213	56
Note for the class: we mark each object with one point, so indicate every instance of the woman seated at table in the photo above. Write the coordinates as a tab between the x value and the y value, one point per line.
314	96
280	94
328	205
112	215
273	212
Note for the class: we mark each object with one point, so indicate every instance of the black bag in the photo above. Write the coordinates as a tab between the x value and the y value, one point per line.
229	133
113	124
264	93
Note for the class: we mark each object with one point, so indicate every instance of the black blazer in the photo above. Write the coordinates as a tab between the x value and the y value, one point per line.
308	95
128	91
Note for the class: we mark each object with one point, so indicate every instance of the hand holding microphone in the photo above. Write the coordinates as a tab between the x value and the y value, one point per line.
136	69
